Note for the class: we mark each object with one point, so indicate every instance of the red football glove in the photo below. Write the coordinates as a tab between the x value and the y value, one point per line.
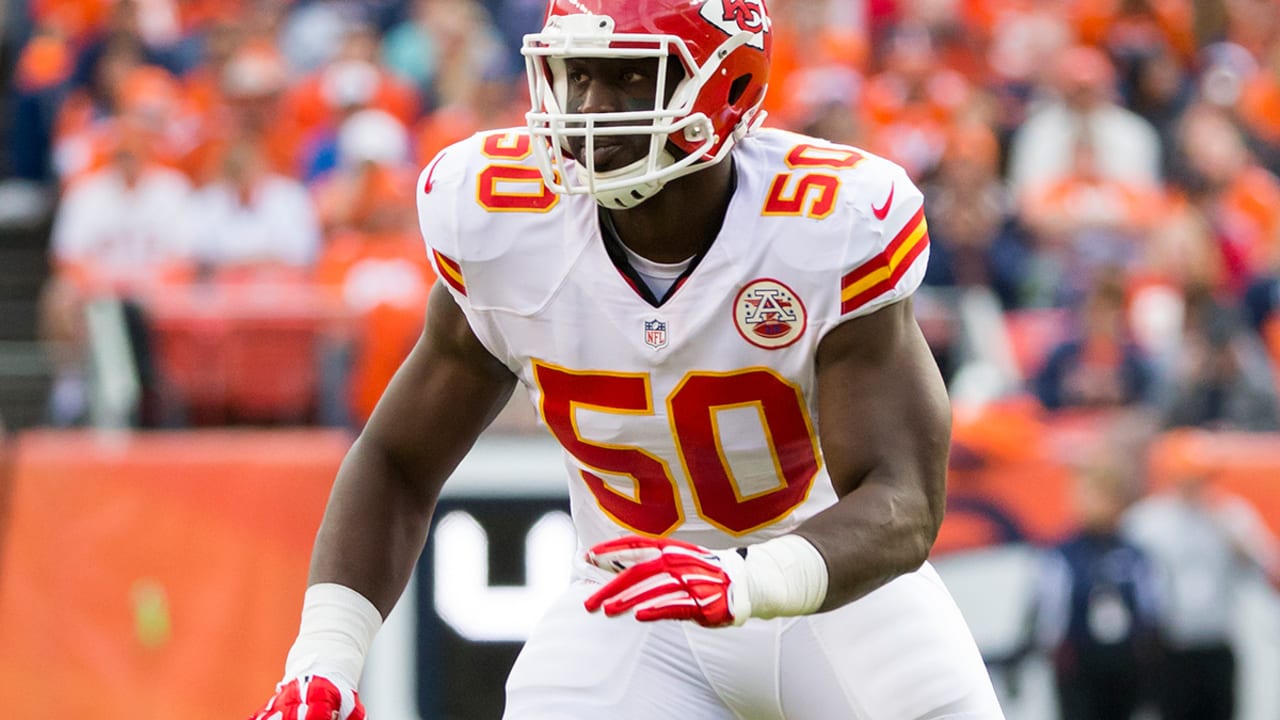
671	580
311	697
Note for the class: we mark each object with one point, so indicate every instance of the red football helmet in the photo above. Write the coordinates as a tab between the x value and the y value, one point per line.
724	48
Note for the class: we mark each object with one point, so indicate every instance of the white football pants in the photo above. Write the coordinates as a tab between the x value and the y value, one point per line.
902	652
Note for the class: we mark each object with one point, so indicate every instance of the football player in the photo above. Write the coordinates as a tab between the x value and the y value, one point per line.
715	322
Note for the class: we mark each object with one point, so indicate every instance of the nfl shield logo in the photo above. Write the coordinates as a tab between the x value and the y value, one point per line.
655	333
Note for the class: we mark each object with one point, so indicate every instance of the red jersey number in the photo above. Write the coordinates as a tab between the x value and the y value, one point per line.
652	506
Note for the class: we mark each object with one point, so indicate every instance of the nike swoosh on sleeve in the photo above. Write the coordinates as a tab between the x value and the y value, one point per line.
882	212
426	186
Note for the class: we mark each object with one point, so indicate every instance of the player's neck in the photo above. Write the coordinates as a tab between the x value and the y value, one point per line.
681	220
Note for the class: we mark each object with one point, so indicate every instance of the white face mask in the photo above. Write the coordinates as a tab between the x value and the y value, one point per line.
592	36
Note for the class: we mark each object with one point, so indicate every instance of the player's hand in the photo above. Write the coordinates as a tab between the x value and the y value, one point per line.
311	697
671	580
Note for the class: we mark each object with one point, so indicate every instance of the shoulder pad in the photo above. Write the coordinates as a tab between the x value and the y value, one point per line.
848	212
486	215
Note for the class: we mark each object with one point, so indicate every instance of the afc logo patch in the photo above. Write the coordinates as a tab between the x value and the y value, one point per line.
655	333
735	16
768	314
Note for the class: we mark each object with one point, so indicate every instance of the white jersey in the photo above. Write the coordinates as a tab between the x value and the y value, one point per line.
695	418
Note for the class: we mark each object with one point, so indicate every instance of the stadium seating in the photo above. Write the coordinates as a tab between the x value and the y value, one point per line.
244	352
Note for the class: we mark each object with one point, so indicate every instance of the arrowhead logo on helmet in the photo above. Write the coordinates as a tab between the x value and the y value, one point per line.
735	16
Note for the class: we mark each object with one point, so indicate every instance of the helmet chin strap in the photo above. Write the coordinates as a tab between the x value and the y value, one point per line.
625	198
631	195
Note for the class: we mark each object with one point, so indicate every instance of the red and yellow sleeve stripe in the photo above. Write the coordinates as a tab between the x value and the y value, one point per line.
450	271
881	273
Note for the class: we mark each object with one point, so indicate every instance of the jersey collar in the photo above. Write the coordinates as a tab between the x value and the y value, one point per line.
618	255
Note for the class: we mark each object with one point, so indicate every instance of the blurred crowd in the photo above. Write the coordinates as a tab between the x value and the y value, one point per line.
1100	176
1104	170
1137	609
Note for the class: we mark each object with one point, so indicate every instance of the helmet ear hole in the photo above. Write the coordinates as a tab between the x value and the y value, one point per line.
738	87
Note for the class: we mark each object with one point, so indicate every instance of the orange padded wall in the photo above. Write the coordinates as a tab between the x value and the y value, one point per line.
156	576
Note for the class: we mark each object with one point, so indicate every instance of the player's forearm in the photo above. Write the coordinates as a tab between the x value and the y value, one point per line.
374	527
874	534
885	433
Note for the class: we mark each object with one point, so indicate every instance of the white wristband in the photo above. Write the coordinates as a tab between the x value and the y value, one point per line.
785	576
338	625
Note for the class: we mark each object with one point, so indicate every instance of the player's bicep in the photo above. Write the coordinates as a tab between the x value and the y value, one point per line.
445	393
882	406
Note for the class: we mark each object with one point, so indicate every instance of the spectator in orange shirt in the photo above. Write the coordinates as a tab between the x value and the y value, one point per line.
153	98
250	87
352	81
1085	200
1182	250
1083	221
84	109
1259	105
493	103
373	156
375	261
912	104
1129	28
203	84
815	42
77	19
145	96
